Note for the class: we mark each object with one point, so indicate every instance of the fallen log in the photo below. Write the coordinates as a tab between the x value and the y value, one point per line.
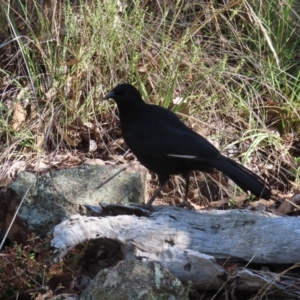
190	243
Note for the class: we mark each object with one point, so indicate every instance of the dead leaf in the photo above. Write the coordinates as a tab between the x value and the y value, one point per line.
289	205
19	116
89	125
143	69
219	203
284	208
51	94
16	168
71	62
39	141
40	166
65	136
261	204
94	162
239	201
197	207
56	160
72	160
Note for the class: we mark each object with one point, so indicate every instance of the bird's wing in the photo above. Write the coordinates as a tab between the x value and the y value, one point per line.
161	139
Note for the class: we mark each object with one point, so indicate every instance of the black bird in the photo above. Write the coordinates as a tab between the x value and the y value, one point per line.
166	146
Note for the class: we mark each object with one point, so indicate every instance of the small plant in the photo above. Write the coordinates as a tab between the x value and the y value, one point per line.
22	269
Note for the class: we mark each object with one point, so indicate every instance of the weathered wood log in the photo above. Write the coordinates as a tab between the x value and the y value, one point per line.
188	243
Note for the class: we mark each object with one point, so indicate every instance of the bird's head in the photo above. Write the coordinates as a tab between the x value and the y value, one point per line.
124	93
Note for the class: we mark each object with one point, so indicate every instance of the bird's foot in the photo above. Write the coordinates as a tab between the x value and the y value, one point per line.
187	204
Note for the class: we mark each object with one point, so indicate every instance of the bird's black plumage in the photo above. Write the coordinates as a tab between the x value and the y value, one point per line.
166	146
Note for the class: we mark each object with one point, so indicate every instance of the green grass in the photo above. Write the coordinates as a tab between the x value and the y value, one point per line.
229	64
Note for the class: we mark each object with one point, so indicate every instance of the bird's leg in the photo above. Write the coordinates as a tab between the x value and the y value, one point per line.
161	186
186	202
187	183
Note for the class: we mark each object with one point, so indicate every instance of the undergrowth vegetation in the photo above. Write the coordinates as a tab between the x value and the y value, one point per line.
229	68
232	66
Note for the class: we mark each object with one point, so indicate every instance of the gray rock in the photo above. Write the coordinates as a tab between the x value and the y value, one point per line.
60	194
134	280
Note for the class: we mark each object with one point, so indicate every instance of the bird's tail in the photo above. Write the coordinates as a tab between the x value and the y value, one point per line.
244	178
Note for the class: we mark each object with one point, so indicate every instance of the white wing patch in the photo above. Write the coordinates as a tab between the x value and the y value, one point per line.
183	156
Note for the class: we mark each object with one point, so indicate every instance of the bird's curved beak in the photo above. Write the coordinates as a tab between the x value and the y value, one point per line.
109	95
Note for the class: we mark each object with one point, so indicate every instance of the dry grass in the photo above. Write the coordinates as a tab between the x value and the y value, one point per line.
229	63
229	68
